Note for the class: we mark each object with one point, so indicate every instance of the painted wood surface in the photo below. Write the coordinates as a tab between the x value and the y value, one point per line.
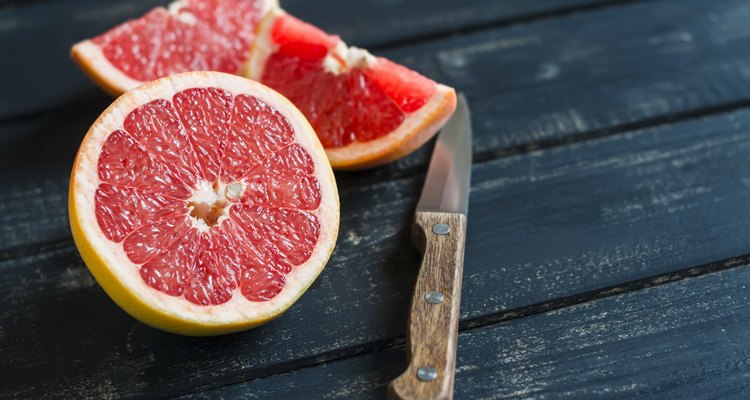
585	71
36	36
683	340
611	140
644	75
543	226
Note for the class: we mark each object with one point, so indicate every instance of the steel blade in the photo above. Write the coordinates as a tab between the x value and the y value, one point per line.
446	187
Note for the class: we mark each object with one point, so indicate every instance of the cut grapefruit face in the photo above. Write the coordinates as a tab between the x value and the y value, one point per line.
203	203
366	110
189	35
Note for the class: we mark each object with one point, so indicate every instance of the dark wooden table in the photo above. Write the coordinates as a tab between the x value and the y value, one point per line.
609	227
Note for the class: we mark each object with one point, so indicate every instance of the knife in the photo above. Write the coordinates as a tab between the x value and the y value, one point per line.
439	232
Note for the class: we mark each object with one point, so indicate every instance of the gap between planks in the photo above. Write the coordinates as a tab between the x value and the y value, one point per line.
491	319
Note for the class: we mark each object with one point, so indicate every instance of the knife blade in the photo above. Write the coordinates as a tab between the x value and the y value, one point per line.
439	232
446	187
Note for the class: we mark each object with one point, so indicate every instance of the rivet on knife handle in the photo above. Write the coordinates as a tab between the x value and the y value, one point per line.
432	330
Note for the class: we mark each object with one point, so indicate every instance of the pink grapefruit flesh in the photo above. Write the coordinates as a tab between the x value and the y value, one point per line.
191	35
366	110
203	198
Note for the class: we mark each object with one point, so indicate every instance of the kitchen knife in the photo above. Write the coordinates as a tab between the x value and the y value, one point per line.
439	232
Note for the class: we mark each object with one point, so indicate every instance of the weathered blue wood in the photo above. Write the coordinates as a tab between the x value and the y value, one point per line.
616	68
35	39
543	226
396	22
32	212
683	340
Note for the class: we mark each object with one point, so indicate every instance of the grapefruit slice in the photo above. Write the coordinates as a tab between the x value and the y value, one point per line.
191	35
203	203
366	110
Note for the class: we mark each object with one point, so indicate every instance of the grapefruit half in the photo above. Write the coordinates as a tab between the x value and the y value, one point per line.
189	35
203	203
366	110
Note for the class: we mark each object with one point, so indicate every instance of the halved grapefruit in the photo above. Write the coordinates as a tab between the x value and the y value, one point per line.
366	110
189	35
203	203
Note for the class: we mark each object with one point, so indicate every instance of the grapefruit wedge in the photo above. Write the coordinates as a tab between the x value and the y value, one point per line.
366	110
189	35
203	203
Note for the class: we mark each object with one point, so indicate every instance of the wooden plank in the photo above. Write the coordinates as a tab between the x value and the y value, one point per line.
545	81
36	42
683	340
36	49
35	161
615	69
591	92
543	226
31	213
378	22
389	22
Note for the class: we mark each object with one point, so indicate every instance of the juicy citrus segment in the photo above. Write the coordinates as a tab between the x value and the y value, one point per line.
346	105
206	114
249	148
203	203
174	254
408	89
300	39
191	35
366	110
120	209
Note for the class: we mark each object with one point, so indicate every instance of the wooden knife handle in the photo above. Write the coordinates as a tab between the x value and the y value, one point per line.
432	330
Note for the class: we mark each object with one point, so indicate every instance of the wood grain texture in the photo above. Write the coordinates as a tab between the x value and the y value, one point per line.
545	225
552	80
49	28
31	212
432	328
610	68
542	226
615	69
377	22
395	22
683	340
575	73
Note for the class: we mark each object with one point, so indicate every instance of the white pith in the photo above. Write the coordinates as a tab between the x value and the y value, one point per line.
238	309
353	57
205	194
175	8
